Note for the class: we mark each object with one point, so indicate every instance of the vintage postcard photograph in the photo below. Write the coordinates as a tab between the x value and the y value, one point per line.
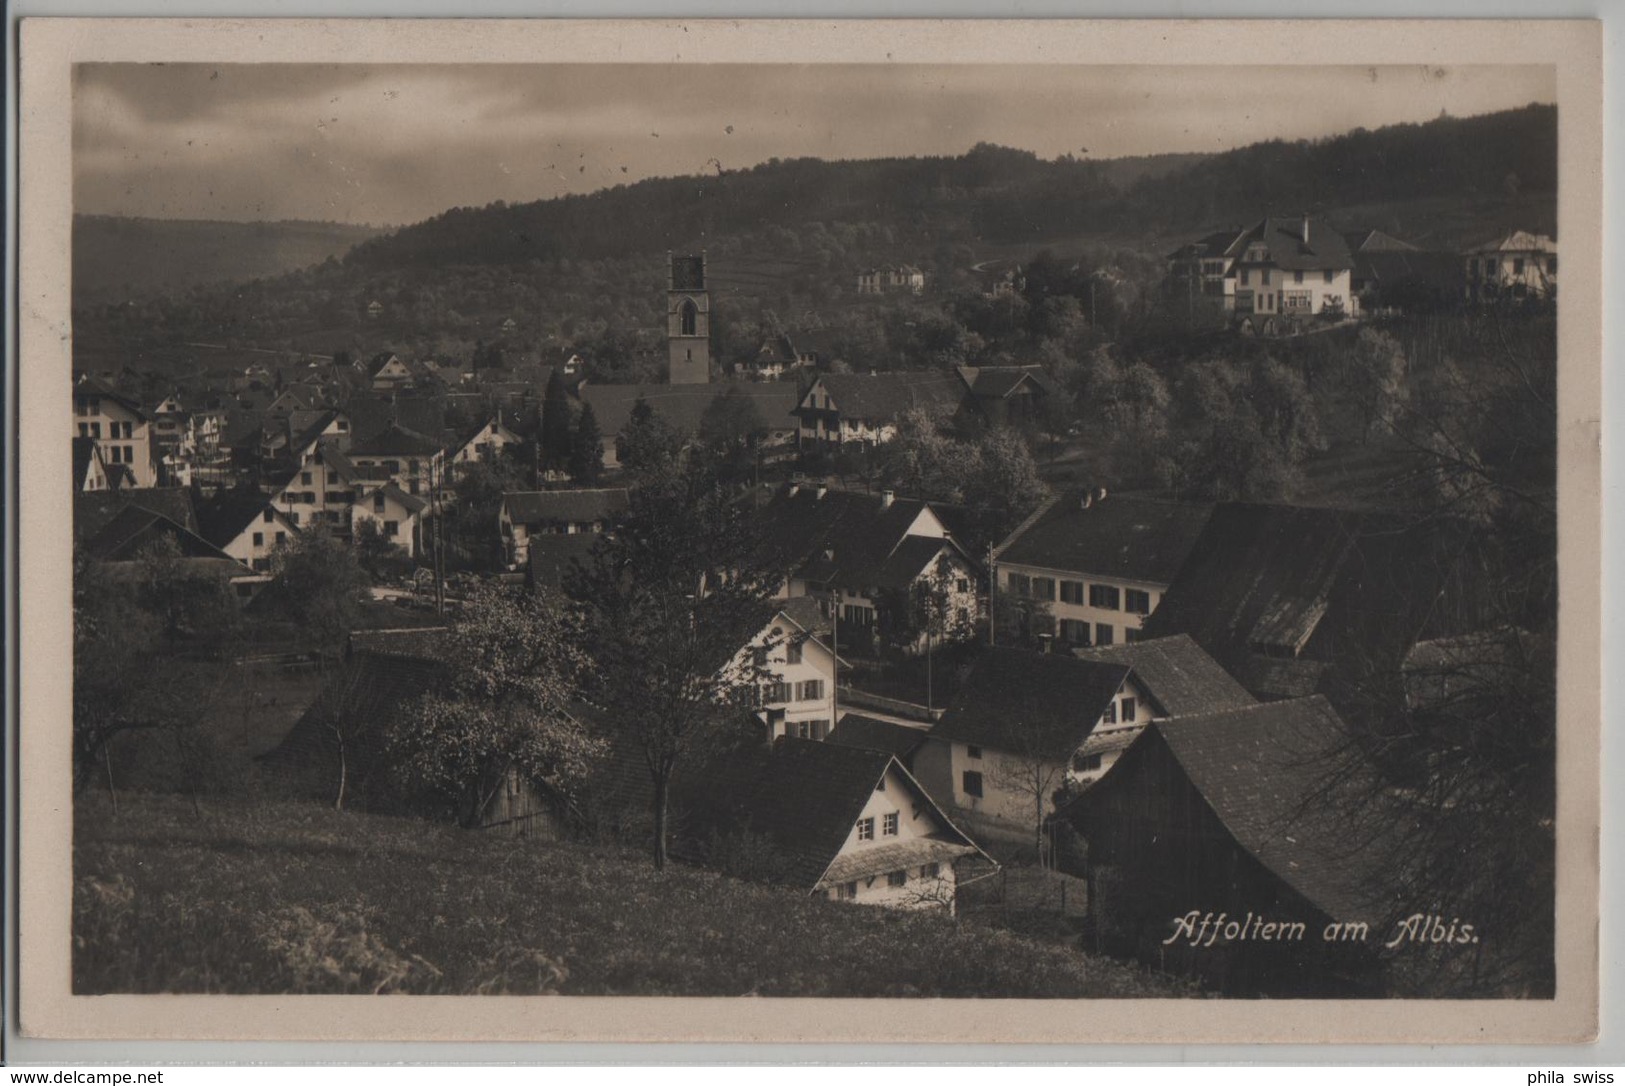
905	531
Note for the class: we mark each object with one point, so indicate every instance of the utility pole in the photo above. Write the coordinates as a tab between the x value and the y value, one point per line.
992	591
436	479
835	658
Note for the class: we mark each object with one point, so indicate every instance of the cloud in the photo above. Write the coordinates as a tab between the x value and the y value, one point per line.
394	143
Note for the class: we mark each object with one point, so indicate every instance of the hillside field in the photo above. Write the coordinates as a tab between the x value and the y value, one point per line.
288	898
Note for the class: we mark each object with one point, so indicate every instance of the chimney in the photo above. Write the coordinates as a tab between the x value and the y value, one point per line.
1306	228
887	497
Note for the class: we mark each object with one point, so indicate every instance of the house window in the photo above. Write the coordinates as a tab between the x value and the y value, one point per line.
96	430
888	825
304	478
897	878
266	516
1245	278
971	783
1043	588
84	430
1136	602
293	517
1551	265
1297	277
688	318
259	539
1085	763
282	537
962	585
846	891
1103	596
1110	715
792	652
812	690
392	528
1103	634
1517	266
929	871
866	829
1328	275
262	565
1020	584
776	692
1130	635
1074	632
1265	277
1129	709
1072	592
378	502
973	752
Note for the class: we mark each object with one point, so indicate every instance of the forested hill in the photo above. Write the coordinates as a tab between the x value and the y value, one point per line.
115	259
996	195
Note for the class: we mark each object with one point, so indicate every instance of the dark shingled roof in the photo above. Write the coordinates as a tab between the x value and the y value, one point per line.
223	517
682	406
1141	539
133	529
997	382
83	449
1176	674
1324	250
882	397
1375	241
867	733
566	506
396	440
1267	772
92	511
845	538
1030	703
803	796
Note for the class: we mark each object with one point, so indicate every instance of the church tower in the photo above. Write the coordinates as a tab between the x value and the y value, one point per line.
688	321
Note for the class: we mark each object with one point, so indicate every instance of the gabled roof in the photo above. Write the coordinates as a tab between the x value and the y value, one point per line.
1176	674
1268	772
998	382
1369	241
1138	539
845	538
566	506
133	529
95	386
808	613
803	796
84	451
224	517
305	430
1034	704
883	397
380	360
92	511
411	503
395	440
1518	241
1212	247
867	733
1325	248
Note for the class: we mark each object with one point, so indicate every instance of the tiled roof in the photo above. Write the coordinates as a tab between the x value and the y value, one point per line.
845	538
1034	704
223	517
1369	241
803	796
411	503
1518	241
867	733
900	856
132	529
1283	237
566	506
1140	539
808	613
84	448
1176	674
997	382
883	397
396	440
1269	773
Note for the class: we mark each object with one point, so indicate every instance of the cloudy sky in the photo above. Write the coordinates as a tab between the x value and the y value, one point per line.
396	144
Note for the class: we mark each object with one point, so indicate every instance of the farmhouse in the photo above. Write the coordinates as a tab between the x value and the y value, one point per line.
1516	266
526	514
1011	738
841	822
1005	395
1089	568
118	426
412	461
848	408
799	699
485	444
386	372
1246	812
246	526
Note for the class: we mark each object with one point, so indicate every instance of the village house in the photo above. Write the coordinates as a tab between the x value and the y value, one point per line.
89	473
1009	743
246	526
410	460
1005	395
1090	568
526	514
119	544
1168	677
799	698
120	428
1293	266
841	822
375	309
320	490
386	373
842	408
1204	269
1389	271
873	562
1248	813
899	279
1516	266
486	444
394	514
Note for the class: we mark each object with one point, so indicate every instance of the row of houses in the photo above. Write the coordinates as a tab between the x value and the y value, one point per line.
1299	266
